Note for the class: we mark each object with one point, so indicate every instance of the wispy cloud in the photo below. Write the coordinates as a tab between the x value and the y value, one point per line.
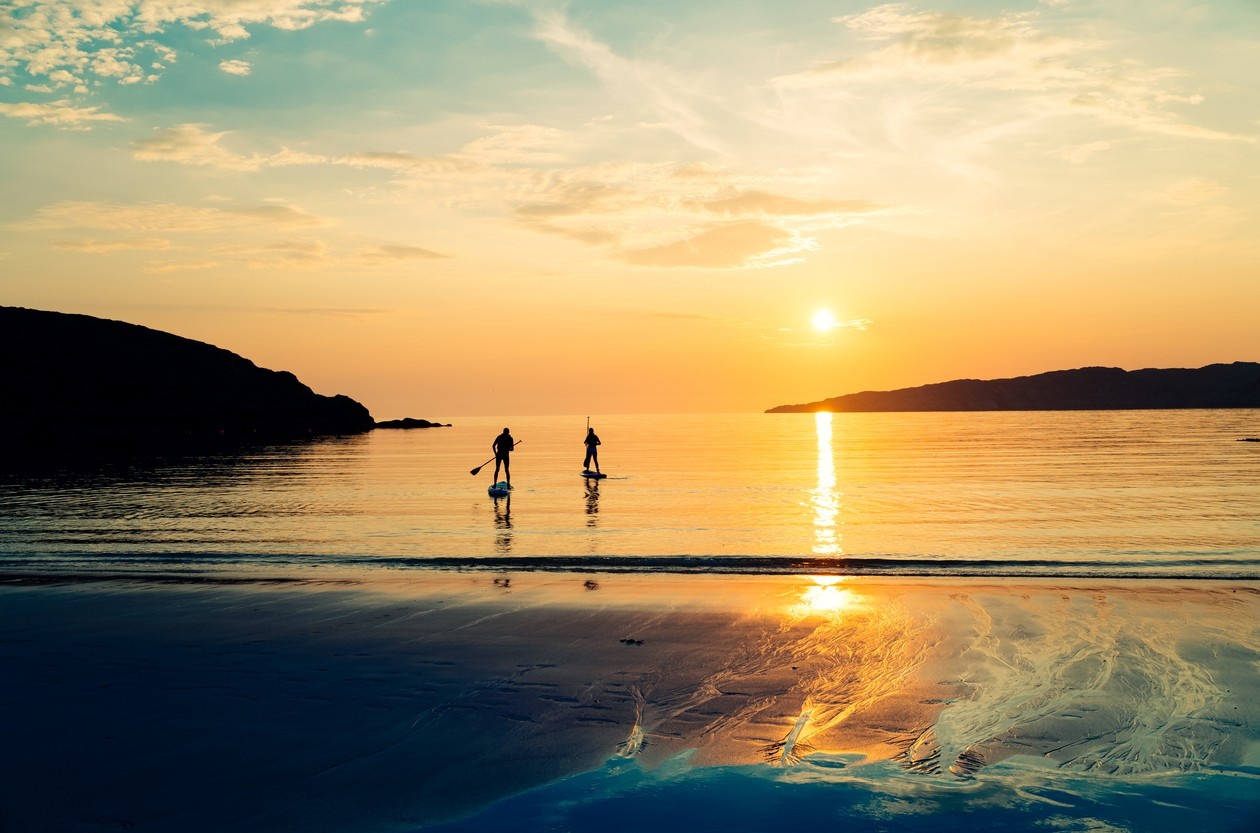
720	246
91	246
318	253
931	41
1193	191
670	100
387	253
525	144
1043	73
165	217
643	214
761	203
329	312
168	267
191	144
1079	154
61	113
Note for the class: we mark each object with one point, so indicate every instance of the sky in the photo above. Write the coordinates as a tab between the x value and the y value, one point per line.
600	206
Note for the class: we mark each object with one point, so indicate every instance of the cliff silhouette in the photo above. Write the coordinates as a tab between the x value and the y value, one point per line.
75	380
1234	385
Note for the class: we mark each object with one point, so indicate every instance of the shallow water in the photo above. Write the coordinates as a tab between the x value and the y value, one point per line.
1106	494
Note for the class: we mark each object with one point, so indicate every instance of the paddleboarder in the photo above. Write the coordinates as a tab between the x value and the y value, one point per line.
503	445
592	450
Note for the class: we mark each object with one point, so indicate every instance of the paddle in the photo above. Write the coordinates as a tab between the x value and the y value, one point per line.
491	460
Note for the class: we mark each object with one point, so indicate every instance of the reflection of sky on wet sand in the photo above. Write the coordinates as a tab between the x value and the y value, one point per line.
1092	682
944	681
980	690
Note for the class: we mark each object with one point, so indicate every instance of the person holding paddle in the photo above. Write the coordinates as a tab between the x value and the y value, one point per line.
592	449
503	445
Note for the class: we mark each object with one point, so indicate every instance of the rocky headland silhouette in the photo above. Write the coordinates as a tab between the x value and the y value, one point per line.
84	382
1235	385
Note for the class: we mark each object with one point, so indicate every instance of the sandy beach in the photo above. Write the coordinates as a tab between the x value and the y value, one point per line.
395	704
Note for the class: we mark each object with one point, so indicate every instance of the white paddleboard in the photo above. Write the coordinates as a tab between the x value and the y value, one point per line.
500	489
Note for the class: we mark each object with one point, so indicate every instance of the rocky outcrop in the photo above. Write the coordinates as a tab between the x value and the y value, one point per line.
75	380
1234	385
411	422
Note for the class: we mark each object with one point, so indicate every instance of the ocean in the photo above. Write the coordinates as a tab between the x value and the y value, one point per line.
1170	494
877	622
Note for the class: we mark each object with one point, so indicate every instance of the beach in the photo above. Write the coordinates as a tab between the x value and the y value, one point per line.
478	700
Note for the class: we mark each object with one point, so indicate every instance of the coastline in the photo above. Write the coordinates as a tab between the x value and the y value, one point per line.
403	701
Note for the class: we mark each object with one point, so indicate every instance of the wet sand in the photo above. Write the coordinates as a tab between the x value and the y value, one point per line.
396	703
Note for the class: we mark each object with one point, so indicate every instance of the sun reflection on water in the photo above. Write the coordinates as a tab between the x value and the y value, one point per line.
824	497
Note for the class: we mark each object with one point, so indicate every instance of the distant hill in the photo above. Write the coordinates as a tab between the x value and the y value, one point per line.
89	382
1234	385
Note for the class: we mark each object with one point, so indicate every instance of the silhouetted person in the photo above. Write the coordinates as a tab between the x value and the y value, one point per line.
503	445
592	450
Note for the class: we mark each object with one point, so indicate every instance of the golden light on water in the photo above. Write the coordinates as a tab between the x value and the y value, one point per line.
824	498
826	596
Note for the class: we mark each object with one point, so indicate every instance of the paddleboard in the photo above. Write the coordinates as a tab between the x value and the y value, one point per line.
500	489
593	475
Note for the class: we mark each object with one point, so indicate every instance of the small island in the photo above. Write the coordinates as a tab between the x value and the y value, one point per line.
411	422
75	381
1234	385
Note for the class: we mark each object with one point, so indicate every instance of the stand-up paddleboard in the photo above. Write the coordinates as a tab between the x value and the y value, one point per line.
500	489
593	475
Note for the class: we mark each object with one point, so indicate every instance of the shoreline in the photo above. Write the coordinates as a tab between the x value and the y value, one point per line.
243	568
396	702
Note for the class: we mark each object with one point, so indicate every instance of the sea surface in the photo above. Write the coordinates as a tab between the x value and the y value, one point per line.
1154	494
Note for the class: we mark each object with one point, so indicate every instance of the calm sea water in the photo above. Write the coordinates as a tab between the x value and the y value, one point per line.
1091	494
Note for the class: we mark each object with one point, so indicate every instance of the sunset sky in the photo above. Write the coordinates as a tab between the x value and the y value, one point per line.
593	207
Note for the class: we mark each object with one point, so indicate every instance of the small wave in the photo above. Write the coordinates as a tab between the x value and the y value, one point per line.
1189	568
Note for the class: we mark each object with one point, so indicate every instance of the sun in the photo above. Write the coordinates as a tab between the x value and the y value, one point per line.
824	320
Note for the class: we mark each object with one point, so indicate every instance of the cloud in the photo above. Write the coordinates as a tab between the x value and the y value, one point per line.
720	246
258	236
753	203
639	212
940	44
682	316
90	246
1193	191
122	40
861	324
393	253
567	199
60	114
526	144
329	312
165	217
190	144
310	253
290	253
181	266
953	59
235	67
673	102
1079	154
665	215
